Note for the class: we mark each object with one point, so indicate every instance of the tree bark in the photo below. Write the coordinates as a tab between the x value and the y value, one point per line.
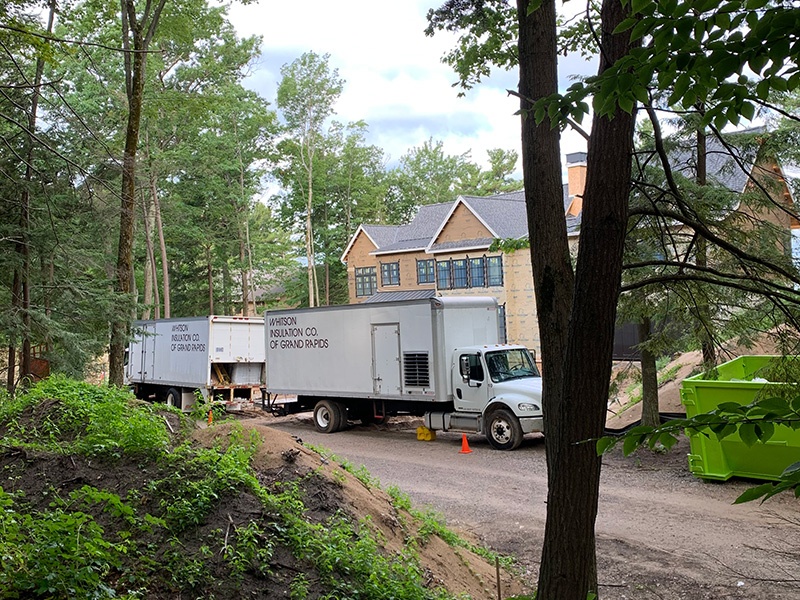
162	247
577	414
210	280
650	416
150	282
139	32
21	296
704	312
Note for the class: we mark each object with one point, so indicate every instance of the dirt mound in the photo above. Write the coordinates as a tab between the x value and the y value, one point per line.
238	546
281	457
624	405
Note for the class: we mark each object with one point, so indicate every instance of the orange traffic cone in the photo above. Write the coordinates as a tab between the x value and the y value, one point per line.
464	445
210	417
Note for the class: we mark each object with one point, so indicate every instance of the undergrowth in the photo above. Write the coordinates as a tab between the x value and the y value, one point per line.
157	536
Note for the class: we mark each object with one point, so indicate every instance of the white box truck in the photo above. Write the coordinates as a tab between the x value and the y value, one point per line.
222	357
440	358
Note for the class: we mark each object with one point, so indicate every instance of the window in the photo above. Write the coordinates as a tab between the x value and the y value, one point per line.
477	272
390	273
460	273
443	274
475	366
366	281
425	271
495	268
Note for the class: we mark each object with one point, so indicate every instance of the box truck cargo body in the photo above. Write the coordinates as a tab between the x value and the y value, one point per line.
441	358
222	357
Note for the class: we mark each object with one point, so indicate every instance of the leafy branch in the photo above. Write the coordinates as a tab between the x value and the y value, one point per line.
754	423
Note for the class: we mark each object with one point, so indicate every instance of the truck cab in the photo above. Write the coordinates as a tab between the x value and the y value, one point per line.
497	391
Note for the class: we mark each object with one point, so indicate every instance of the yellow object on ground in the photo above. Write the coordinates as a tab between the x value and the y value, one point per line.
426	435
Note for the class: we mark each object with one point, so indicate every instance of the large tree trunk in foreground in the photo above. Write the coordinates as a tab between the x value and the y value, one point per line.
568	569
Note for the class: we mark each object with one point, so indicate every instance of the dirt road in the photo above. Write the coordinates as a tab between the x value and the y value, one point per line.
662	533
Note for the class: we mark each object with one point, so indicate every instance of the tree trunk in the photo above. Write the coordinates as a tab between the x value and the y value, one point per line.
21	300
210	280
310	239
150	268
140	33
162	246
704	312
569	568
245	278
11	379
650	415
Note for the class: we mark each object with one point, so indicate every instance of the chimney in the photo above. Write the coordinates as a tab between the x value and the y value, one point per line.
576	181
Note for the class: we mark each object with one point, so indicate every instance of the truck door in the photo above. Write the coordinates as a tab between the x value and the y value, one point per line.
141	355
386	359
471	396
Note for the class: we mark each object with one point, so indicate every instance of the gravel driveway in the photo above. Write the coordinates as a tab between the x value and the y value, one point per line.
662	533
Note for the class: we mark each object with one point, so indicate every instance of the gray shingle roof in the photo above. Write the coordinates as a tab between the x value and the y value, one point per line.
729	168
416	234
504	214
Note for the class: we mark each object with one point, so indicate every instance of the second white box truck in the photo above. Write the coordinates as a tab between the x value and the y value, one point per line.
221	357
440	358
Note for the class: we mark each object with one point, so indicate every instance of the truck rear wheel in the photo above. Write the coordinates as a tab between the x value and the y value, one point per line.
504	431
174	398
328	416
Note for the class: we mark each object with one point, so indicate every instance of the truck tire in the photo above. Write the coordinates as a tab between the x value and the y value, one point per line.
503	430
328	416
174	398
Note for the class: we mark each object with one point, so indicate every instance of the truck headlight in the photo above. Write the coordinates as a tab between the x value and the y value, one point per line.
526	406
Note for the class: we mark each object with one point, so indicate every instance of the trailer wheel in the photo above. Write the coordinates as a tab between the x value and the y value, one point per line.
504	431
174	398
327	416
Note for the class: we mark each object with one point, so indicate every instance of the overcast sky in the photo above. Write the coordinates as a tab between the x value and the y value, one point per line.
394	77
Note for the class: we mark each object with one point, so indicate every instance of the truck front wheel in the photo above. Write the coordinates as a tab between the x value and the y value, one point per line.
503	431
174	398
327	416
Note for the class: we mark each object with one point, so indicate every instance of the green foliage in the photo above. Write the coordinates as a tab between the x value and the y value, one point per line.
64	551
510	245
199	478
754	423
58	553
91	420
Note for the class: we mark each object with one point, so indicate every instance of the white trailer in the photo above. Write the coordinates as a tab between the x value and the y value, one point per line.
440	358
222	357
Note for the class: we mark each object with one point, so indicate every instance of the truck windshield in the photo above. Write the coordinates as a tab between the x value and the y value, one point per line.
510	364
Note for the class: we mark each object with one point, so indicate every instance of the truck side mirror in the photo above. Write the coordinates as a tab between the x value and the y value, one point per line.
463	367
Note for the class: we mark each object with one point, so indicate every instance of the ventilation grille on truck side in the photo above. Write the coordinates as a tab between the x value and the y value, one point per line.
416	371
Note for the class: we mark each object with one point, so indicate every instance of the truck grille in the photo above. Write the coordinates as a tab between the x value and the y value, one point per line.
416	370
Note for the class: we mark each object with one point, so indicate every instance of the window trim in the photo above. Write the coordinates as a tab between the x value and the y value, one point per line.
390	271
365	275
429	268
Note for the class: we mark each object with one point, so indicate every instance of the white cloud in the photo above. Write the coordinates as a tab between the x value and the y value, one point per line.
394	77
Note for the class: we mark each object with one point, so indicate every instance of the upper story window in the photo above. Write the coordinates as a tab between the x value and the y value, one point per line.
390	273
426	271
366	281
485	271
443	274
460	276
477	272
494	268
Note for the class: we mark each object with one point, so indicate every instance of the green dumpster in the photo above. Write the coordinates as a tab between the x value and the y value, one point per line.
741	381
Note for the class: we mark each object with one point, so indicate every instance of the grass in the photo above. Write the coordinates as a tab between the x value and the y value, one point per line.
161	537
